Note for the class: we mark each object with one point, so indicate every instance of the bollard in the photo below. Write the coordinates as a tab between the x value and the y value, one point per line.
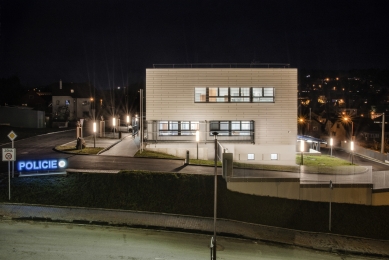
120	134
187	158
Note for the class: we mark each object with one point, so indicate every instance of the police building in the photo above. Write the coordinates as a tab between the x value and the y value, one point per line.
253	110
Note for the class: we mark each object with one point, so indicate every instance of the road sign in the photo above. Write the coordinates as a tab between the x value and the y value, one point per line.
12	135
9	154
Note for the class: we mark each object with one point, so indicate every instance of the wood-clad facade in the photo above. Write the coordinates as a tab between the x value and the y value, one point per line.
267	130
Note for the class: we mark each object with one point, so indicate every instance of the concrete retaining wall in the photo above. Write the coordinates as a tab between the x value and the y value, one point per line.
292	189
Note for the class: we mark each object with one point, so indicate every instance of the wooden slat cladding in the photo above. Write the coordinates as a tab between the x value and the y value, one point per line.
170	96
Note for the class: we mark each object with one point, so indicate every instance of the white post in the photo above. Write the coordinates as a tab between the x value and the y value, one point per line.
94	134
331	143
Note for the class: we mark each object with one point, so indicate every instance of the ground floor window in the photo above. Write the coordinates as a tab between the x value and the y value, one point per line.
232	127
178	127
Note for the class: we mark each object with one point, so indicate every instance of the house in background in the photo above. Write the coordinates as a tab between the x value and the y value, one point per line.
71	101
253	110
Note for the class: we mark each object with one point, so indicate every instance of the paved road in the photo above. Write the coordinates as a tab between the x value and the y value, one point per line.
38	240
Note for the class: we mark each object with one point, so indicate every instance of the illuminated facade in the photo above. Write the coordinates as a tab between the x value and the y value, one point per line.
253	109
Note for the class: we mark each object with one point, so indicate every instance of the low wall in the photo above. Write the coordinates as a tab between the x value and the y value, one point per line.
292	189
273	187
380	197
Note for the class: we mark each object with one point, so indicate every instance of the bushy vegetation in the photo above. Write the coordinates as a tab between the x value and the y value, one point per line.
193	195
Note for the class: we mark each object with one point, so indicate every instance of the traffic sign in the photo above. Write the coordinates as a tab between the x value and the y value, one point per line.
9	154
12	135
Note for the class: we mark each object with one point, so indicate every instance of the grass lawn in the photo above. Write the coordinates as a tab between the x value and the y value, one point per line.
318	161
72	149
190	195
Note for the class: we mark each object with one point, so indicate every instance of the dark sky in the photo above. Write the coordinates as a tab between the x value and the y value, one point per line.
113	42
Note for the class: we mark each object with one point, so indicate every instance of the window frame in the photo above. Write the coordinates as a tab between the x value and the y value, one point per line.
231	130
175	128
235	95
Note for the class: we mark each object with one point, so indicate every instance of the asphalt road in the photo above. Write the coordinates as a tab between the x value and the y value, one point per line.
42	240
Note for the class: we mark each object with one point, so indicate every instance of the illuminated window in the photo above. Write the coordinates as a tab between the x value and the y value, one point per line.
234	94
273	156
250	156
178	127
232	127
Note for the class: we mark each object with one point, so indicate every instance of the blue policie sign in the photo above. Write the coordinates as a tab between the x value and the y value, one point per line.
42	165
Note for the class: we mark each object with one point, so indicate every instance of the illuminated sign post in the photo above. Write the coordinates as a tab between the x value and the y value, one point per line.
42	165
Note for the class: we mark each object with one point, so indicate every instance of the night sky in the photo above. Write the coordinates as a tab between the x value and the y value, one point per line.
111	43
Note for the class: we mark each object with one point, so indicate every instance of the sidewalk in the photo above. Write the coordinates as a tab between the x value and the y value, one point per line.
127	145
228	228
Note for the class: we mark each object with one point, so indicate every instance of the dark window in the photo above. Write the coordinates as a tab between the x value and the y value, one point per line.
232	127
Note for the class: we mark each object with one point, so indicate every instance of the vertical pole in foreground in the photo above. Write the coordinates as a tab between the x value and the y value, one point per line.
329	221
9	181
213	256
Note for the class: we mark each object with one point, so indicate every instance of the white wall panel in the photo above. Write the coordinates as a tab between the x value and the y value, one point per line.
170	96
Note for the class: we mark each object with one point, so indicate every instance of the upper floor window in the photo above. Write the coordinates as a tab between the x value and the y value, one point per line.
263	94
234	94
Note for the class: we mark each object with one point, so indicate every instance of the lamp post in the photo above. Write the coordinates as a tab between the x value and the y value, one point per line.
114	125
128	120
213	241
348	119
94	134
302	151
331	143
352	151
197	141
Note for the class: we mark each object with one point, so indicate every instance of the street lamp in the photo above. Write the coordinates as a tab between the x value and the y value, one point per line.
348	119
331	143
213	241
352	152
94	134
114	125
197	140
128	120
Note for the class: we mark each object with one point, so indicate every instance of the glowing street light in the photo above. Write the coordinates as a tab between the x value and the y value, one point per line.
347	120
94	134
114	125
128	120
331	144
352	152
